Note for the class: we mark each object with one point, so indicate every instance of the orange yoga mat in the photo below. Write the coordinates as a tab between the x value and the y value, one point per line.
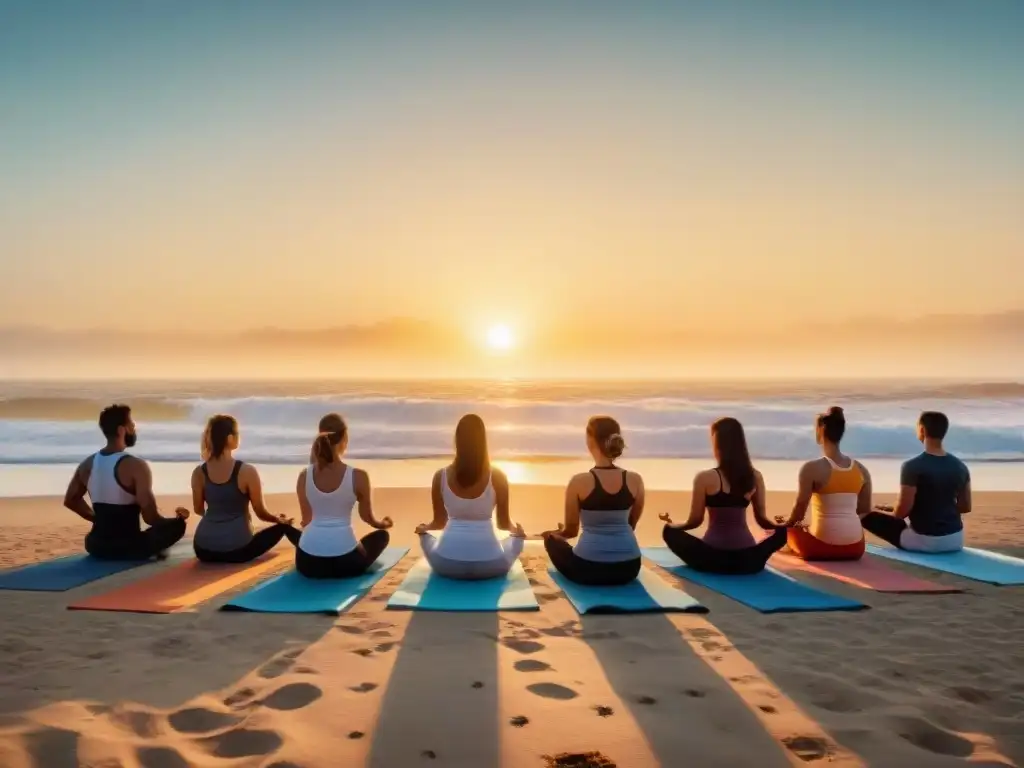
184	585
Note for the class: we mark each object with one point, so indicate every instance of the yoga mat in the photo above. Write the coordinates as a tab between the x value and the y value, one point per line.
292	593
768	591
977	564
63	573
866	573
648	594
183	586
424	590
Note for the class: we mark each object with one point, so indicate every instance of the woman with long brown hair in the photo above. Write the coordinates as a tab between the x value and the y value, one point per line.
223	489
602	507
723	494
465	495
328	489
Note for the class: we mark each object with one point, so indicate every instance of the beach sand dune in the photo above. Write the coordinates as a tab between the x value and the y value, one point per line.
918	680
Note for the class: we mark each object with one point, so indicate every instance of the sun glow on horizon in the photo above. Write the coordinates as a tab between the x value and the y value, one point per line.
500	338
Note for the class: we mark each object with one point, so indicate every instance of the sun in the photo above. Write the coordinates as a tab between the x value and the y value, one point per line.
500	338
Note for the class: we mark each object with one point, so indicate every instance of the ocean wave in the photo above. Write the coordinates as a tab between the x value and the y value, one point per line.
659	424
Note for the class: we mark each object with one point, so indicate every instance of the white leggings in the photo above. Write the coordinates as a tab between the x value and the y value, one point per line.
511	548
916	542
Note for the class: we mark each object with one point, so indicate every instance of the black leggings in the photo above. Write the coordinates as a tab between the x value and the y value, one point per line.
886	527
590	573
347	566
261	542
734	562
142	546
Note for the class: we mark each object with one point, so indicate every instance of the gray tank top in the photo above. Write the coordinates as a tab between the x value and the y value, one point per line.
226	525
605	533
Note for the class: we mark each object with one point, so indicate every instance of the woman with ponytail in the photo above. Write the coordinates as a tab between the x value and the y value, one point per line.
465	495
602	507
837	489
223	489
328	490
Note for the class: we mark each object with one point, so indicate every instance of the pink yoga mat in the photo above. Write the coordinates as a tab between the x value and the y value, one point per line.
867	572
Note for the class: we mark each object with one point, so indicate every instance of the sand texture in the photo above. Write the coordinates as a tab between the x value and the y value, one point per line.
917	680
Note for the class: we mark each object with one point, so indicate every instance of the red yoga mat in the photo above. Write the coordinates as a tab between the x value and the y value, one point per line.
867	573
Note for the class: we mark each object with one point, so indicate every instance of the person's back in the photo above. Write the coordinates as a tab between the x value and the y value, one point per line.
727	519
120	491
935	491
465	498
939	481
469	534
330	532
118	514
226	525
834	517
606	535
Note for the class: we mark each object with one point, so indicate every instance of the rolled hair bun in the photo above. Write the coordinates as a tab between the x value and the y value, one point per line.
614	446
835	412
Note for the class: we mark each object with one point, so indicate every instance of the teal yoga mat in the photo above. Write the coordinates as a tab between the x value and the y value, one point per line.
424	590
648	594
977	564
63	573
293	593
768	591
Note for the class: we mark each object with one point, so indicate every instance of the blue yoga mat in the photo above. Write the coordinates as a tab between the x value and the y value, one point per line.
63	573
293	593
977	564
424	590
648	594
768	591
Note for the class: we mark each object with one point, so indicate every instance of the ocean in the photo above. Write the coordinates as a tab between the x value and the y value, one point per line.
403	427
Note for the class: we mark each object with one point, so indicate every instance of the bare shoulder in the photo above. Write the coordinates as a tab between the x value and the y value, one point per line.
360	477
758	477
863	469
634	481
86	466
248	471
197	473
582	482
498	477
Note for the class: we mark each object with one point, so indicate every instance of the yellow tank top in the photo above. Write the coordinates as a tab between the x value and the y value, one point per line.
834	506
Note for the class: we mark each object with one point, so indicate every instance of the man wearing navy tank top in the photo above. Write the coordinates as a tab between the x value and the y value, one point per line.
120	489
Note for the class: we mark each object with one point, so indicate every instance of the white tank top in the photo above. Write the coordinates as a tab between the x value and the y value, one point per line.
103	486
469	535
330	533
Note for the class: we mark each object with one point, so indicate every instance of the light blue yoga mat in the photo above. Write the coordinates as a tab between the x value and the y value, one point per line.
977	564
648	594
293	593
63	573
768	591
424	590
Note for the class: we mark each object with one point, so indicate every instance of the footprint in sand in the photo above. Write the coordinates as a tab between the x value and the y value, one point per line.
477	684
380	634
160	757
350	630
363	652
385	647
694	693
293	696
546	597
356	734
648	700
768	709
198	720
305	671
172	647
52	747
531	665
524	646
364	688
519	721
278	666
603	711
243	742
578	760
929	737
241	696
807	748
144	724
552	691
971	695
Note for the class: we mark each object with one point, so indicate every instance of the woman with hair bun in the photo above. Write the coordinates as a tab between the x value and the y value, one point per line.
837	489
602	507
328	490
223	489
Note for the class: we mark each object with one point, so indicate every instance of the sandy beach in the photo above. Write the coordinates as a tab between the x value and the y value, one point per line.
917	680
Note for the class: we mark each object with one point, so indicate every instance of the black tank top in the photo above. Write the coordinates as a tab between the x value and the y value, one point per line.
599	500
723	499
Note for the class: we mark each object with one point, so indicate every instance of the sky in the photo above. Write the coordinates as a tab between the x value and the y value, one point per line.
198	166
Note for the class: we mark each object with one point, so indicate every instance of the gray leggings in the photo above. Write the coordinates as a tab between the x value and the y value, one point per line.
468	570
